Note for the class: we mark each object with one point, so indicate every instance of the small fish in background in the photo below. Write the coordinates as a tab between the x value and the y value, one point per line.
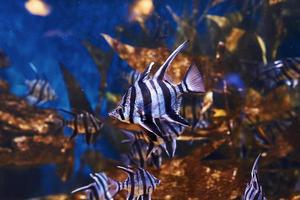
151	99
266	132
39	89
38	7
137	155
280	72
167	141
83	122
140	184
99	189
254	189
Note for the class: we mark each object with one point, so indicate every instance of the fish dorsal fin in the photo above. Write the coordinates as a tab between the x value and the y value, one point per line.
162	70
127	170
255	166
146	73
33	67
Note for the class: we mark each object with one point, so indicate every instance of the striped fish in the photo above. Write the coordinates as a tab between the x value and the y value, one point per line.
138	155
39	92
139	184
281	72
254	190
39	89
99	189
83	122
153	98
167	141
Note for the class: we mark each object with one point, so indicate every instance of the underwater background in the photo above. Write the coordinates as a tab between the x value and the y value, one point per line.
61	32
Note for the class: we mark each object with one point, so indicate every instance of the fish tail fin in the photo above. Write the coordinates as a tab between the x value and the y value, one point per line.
193	81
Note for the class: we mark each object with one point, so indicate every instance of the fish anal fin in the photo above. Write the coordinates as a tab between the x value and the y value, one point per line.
176	118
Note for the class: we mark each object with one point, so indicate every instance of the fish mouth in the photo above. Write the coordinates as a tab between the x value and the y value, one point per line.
112	114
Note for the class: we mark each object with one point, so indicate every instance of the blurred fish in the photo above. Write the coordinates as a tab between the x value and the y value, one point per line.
83	122
265	133
39	89
99	189
254	190
38	7
154	98
280	72
170	133
138	154
140	184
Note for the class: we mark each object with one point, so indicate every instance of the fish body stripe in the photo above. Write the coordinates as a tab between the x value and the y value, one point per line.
132	105
40	91
102	180
147	100
140	184
131	186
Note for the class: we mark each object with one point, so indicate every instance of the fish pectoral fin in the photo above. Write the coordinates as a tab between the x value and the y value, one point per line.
176	118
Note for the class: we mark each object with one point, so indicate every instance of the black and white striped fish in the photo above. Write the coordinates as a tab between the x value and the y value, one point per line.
137	155
39	89
254	190
39	92
167	140
155	98
83	122
280	72
131	77
99	189
139	184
